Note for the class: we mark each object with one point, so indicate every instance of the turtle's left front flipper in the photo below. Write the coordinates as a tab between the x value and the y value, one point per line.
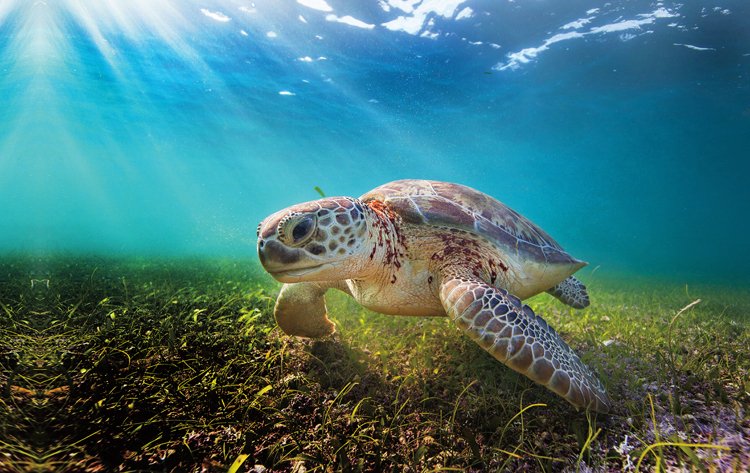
513	334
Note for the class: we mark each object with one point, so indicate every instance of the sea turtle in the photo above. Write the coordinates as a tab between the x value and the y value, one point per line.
416	247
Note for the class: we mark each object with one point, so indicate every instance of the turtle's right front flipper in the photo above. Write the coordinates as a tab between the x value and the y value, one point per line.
513	334
301	310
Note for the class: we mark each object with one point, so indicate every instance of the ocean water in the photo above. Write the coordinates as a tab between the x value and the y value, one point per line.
173	127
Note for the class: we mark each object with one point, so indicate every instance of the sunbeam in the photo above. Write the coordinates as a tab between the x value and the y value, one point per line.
175	126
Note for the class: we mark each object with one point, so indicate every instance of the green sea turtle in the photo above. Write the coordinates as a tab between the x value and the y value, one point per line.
415	247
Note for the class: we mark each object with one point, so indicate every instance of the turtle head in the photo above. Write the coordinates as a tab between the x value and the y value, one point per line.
321	240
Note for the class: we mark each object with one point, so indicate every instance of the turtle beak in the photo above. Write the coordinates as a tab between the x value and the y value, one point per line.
287	264
273	255
276	257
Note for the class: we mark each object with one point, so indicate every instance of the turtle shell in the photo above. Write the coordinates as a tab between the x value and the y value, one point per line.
455	206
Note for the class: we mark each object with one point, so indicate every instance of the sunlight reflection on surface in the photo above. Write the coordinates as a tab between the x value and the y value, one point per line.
175	126
108	97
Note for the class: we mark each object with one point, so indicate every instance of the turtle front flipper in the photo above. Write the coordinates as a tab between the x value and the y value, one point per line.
571	292
301	310
513	334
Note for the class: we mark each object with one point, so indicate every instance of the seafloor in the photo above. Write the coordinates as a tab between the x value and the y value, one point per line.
176	365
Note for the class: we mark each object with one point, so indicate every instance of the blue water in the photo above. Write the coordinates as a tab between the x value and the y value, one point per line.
174	127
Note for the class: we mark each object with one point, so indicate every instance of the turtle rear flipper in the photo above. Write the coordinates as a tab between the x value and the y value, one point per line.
571	292
514	335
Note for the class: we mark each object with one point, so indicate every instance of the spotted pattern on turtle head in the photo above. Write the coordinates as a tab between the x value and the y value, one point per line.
336	224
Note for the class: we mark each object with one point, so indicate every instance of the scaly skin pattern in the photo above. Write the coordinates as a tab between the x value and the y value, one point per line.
339	232
572	292
514	335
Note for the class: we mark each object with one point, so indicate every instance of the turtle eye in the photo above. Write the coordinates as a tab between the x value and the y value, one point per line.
298	230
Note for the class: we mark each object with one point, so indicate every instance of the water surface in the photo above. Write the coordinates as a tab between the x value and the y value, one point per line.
173	127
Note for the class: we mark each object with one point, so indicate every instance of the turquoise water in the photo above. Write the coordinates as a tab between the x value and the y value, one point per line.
173	127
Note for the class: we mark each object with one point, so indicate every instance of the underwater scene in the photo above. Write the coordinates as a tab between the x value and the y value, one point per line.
374	235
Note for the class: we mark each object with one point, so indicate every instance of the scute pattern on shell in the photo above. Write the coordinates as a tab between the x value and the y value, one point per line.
456	206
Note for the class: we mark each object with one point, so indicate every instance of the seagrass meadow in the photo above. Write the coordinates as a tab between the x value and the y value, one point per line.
116	364
142	142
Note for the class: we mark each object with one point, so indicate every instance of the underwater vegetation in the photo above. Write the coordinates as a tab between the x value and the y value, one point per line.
177	365
169	129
